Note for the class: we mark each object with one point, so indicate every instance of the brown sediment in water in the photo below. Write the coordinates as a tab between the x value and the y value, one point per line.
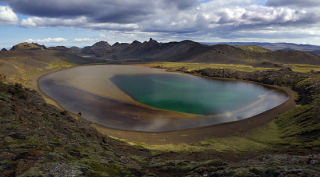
171	137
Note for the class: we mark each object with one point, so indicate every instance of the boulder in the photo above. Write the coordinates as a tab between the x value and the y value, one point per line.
3	77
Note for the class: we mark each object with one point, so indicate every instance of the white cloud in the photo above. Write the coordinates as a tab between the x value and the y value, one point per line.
84	40
37	22
293	3
48	40
7	16
211	5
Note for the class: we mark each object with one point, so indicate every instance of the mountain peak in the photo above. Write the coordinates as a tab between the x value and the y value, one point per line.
28	46
102	44
116	44
136	42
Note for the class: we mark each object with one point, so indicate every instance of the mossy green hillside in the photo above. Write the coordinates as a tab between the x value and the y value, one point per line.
253	48
198	66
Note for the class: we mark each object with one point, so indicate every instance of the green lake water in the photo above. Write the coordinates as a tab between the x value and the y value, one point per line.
189	94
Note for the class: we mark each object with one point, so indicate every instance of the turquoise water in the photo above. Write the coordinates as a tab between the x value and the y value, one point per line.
189	94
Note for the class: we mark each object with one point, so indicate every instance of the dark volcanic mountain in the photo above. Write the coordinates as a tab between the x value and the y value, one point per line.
184	51
189	51
99	49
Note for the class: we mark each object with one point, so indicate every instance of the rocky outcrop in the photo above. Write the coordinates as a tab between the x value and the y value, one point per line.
4	50
151	45
3	77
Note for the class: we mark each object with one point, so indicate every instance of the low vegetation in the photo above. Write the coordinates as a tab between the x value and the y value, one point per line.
58	63
253	48
304	68
171	66
24	75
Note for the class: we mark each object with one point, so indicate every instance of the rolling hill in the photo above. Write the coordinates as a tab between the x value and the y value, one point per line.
275	46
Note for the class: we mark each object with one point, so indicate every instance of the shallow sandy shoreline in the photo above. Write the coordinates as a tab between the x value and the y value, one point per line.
187	135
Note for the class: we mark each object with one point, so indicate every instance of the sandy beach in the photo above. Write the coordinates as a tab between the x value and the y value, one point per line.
170	137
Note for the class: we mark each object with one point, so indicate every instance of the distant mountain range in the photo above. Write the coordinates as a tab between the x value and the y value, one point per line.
275	46
189	51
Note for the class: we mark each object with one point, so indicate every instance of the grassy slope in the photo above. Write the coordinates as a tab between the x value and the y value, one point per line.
196	66
253	48
303	68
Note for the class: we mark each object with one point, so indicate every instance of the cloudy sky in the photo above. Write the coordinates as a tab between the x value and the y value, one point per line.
82	22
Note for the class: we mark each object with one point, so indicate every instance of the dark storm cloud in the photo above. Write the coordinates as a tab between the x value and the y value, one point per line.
101	11
297	3
43	8
123	11
180	4
121	15
215	18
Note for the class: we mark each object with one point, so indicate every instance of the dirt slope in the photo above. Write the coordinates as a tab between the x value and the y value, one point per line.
21	65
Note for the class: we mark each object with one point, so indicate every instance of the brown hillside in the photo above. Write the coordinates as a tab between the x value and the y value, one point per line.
227	53
28	46
253	48
294	57
26	63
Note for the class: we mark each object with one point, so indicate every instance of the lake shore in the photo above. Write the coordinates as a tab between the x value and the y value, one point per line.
187	135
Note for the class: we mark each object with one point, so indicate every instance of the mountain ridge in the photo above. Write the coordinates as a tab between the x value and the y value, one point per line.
184	51
275	46
190	51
